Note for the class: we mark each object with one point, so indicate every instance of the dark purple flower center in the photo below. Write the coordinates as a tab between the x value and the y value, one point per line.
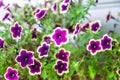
12	74
17	30
35	66
106	42
59	36
45	50
62	55
25	58
94	46
61	66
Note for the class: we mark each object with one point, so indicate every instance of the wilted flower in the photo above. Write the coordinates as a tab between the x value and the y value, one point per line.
40	13
70	29
35	68
47	39
11	74
106	42
85	26
54	8
25	58
63	55
63	8
4	14
1	43
94	46
61	67
77	29
34	33
108	17
43	50
60	36
16	31
95	26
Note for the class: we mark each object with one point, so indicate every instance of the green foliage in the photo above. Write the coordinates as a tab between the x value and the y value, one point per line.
86	65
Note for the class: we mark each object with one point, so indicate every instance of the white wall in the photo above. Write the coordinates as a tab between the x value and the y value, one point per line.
102	9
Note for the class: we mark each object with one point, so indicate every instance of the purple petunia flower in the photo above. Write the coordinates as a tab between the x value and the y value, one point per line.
61	67
118	72
1	3
94	46
11	74
85	27
63	8
66	1
77	29
43	50
60	36
106	42
35	68
25	58
63	55
16	31
95	26
47	39
40	13
54	8
1	43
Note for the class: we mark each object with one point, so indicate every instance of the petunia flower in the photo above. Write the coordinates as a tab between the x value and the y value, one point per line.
11	74
35	68
47	39
40	13
118	72
66	1
25	58
43	50
1	43
60	36
54	8
95	26
77	29
63	8
16	31
94	46
34	33
1	3
63	55
85	27
106	42
61	67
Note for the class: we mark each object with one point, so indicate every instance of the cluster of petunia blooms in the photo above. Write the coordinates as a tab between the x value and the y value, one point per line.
26	58
59	37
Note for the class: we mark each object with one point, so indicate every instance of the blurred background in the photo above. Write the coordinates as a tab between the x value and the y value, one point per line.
99	12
